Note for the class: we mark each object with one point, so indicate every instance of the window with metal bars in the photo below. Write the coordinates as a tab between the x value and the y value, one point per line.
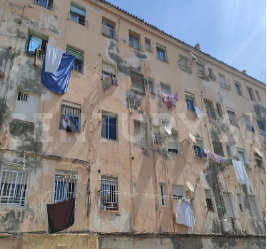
228	205
140	133
253	207
237	87
79	59
240	203
209	109
22	96
133	41
70	119
200	71
77	14
48	4
165	88
232	117
163	194
108	69
161	53
137	82
14	183
209	201
65	186
156	135
177	192
109	126
173	142
36	42
109	193
108	29
218	148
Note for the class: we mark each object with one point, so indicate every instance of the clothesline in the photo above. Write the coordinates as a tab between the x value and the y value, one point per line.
212	156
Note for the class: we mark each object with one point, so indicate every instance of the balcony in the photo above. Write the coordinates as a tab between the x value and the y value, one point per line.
227	87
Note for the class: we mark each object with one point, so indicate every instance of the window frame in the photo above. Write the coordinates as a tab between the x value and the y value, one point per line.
110	115
250	93
23	195
111	66
258	95
211	208
232	116
176	149
151	82
50	6
240	202
209	103
163	194
143	125
166	86
200	73
161	50
216	149
135	75
190	100
77	62
241	152
148	41
135	40
238	88
111	26
261	126
197	145
156	135
81	19
219	109
258	213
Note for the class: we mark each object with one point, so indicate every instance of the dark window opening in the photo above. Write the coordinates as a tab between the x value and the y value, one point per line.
190	104
36	43
109	126
70	119
48	4
79	59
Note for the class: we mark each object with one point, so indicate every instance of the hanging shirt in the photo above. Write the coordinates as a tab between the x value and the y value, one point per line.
240	172
34	44
53	57
183	213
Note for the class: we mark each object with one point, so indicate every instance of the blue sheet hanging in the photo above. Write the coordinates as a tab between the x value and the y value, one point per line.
59	81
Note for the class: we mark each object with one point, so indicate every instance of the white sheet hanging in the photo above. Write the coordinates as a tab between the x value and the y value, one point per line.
183	213
52	58
240	172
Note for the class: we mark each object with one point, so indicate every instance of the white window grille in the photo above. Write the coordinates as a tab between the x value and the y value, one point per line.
140	133
165	89
173	142
65	186
109	193
254	207
163	194
137	82
77	14
228	205
14	185
108	29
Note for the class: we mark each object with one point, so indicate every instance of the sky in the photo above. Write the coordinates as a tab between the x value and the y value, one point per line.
233	31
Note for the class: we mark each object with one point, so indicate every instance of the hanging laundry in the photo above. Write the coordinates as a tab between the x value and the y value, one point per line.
240	172
59	81
53	57
176	96
183	213
60	216
169	104
34	43
197	111
170	100
212	157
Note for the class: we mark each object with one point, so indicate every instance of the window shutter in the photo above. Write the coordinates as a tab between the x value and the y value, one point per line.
77	11
108	68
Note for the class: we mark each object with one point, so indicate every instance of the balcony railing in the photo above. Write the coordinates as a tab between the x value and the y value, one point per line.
185	68
78	19
227	87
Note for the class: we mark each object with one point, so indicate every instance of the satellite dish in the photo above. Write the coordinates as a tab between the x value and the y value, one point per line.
192	137
258	152
168	130
106	83
190	186
227	162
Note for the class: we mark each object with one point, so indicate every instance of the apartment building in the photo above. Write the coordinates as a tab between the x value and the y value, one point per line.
155	136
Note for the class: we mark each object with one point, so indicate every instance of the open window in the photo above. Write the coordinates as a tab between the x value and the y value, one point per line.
151	85
79	58
77	14
148	45
48	4
14	185
172	141
65	186
237	88
178	192
156	135
70	119
251	94
140	133
36	43
209	109
261	126
109	193
189	98
109	125
163	194
209	201
198	145
161	53
108	28
240	202
241	155
248	124
258	160
232	117
26	106
166	89
137	82
134	40
109	70
258	95
219	109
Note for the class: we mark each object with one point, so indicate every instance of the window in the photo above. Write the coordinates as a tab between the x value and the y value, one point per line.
173	142
258	160
209	201
161	53
151	85
240	203
108	69
14	184
218	148
48	4
261	126
178	192
70	119
36	42
209	108
189	98
147	43
133	41
237	87
108	29
77	14
228	205
228	149
26	106
140	133
156	135
183	63
78	62
137	82
200	71
232	117
109	125
254	207
241	156
219	109
211	75
258	95
163	194
198	147
165	88
249	127
65	186
222	79
251	95
109	193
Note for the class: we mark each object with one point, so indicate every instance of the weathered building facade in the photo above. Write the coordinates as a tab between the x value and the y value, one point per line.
124	169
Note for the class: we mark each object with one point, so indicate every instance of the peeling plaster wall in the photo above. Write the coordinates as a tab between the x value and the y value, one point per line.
139	170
